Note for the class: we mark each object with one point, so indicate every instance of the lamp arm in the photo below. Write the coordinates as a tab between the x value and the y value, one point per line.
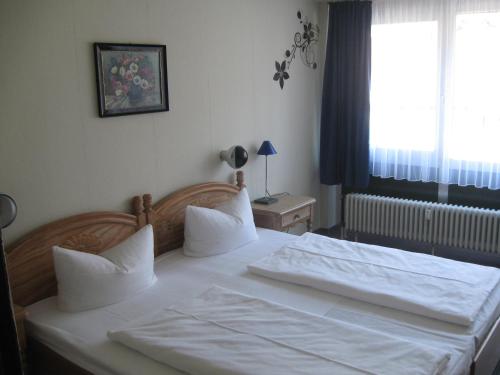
267	194
265	191
10	361
9	346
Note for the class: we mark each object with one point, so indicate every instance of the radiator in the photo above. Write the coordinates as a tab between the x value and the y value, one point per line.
436	223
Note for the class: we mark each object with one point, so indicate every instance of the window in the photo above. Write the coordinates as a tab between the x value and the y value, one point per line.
435	94
404	86
473	130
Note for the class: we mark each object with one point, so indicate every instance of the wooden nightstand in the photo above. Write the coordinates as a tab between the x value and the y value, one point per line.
287	212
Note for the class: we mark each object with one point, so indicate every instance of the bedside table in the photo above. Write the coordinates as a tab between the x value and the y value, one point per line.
287	212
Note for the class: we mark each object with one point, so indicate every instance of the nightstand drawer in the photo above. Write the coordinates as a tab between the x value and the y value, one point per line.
293	217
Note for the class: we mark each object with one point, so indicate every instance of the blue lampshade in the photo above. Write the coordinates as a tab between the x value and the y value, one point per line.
267	148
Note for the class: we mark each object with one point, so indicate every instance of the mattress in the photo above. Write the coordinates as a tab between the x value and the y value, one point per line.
81	337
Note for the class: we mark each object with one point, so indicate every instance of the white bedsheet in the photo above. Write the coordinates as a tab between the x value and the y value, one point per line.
81	337
224	332
422	284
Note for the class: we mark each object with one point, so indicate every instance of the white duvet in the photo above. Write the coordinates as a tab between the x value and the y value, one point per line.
421	284
224	332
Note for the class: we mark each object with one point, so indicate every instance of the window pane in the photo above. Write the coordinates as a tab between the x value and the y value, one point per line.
404	86
473	126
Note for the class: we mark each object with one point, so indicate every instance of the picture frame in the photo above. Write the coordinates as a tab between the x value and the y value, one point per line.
131	78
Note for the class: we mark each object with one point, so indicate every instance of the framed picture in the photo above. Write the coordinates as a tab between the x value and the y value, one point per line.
131	78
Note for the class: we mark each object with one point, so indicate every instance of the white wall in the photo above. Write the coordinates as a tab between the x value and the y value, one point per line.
59	158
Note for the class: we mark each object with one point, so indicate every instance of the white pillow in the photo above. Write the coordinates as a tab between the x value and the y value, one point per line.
87	281
215	231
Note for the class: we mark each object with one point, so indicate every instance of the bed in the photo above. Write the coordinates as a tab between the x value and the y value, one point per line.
76	343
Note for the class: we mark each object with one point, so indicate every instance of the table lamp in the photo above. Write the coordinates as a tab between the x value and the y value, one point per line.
266	149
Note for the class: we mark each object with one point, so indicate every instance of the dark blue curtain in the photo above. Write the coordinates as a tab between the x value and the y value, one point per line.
345	113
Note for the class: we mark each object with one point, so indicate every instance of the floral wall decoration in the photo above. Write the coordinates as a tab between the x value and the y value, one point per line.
303	41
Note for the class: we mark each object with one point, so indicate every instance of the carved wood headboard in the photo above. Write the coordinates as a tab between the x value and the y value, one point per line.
29	261
30	264
167	215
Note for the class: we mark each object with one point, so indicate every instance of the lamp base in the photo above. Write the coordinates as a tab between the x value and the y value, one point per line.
266	200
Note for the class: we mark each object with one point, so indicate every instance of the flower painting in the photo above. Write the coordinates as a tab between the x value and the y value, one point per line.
131	79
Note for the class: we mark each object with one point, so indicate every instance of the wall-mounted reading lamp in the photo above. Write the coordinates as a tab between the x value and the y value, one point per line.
235	156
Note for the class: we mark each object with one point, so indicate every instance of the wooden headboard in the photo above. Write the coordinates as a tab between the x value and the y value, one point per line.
29	261
167	215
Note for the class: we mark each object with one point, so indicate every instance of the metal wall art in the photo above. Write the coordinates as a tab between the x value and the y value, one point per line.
303	41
